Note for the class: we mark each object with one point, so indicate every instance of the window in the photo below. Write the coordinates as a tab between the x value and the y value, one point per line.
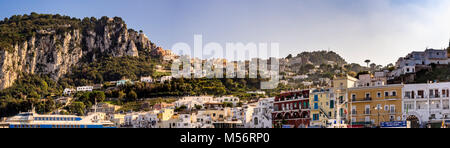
422	105
331	104
392	111
316	117
367	119
409	106
445	104
367	95
431	93
316	106
353	96
421	94
367	111
408	95
386	107
386	94
316	98
379	95
394	93
354	110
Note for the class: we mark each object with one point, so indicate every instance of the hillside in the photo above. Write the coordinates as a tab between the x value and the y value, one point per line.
321	57
53	44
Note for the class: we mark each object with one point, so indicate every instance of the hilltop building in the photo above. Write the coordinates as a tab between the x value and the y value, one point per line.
416	60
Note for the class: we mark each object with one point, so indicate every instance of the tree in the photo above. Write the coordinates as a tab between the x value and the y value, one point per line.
228	104
289	56
368	62
121	95
352	73
239	104
77	108
373	66
448	51
98	96
181	108
132	96
198	107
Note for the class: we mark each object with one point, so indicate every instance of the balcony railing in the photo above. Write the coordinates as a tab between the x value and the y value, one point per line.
391	97
362	99
435	96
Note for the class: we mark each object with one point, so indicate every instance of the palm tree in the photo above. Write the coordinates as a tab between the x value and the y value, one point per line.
367	61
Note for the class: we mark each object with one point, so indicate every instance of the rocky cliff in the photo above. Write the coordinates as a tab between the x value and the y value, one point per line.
49	50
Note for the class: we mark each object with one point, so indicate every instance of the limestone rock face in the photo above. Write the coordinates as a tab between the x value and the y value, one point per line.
55	53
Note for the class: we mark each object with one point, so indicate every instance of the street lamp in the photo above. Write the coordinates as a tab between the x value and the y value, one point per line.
378	108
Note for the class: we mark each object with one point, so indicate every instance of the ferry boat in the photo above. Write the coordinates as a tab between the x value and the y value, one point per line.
34	120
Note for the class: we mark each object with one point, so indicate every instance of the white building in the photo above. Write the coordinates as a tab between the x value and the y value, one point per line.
300	77
307	83
165	79
262	114
229	99
85	88
142	119
191	101
368	80
426	101
130	119
407	64
187	121
257	92
147	79
69	91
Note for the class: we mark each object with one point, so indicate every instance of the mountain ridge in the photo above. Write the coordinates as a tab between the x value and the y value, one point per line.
52	44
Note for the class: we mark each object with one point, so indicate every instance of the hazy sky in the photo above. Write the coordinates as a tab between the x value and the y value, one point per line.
380	30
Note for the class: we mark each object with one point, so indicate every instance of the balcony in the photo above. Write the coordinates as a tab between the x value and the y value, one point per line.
392	112
392	98
435	96
366	99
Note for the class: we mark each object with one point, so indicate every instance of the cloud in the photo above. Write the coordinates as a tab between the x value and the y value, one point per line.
380	30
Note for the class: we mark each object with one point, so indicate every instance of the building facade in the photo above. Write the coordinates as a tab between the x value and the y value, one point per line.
340	89
292	110
323	109
426	102
262	114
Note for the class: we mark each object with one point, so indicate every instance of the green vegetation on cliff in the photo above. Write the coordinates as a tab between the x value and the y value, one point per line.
29	90
19	28
439	73
110	69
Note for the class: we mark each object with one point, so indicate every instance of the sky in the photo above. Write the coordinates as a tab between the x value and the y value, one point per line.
379	30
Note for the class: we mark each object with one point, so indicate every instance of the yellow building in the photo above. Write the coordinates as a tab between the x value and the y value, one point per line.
372	105
340	89
165	114
323	108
